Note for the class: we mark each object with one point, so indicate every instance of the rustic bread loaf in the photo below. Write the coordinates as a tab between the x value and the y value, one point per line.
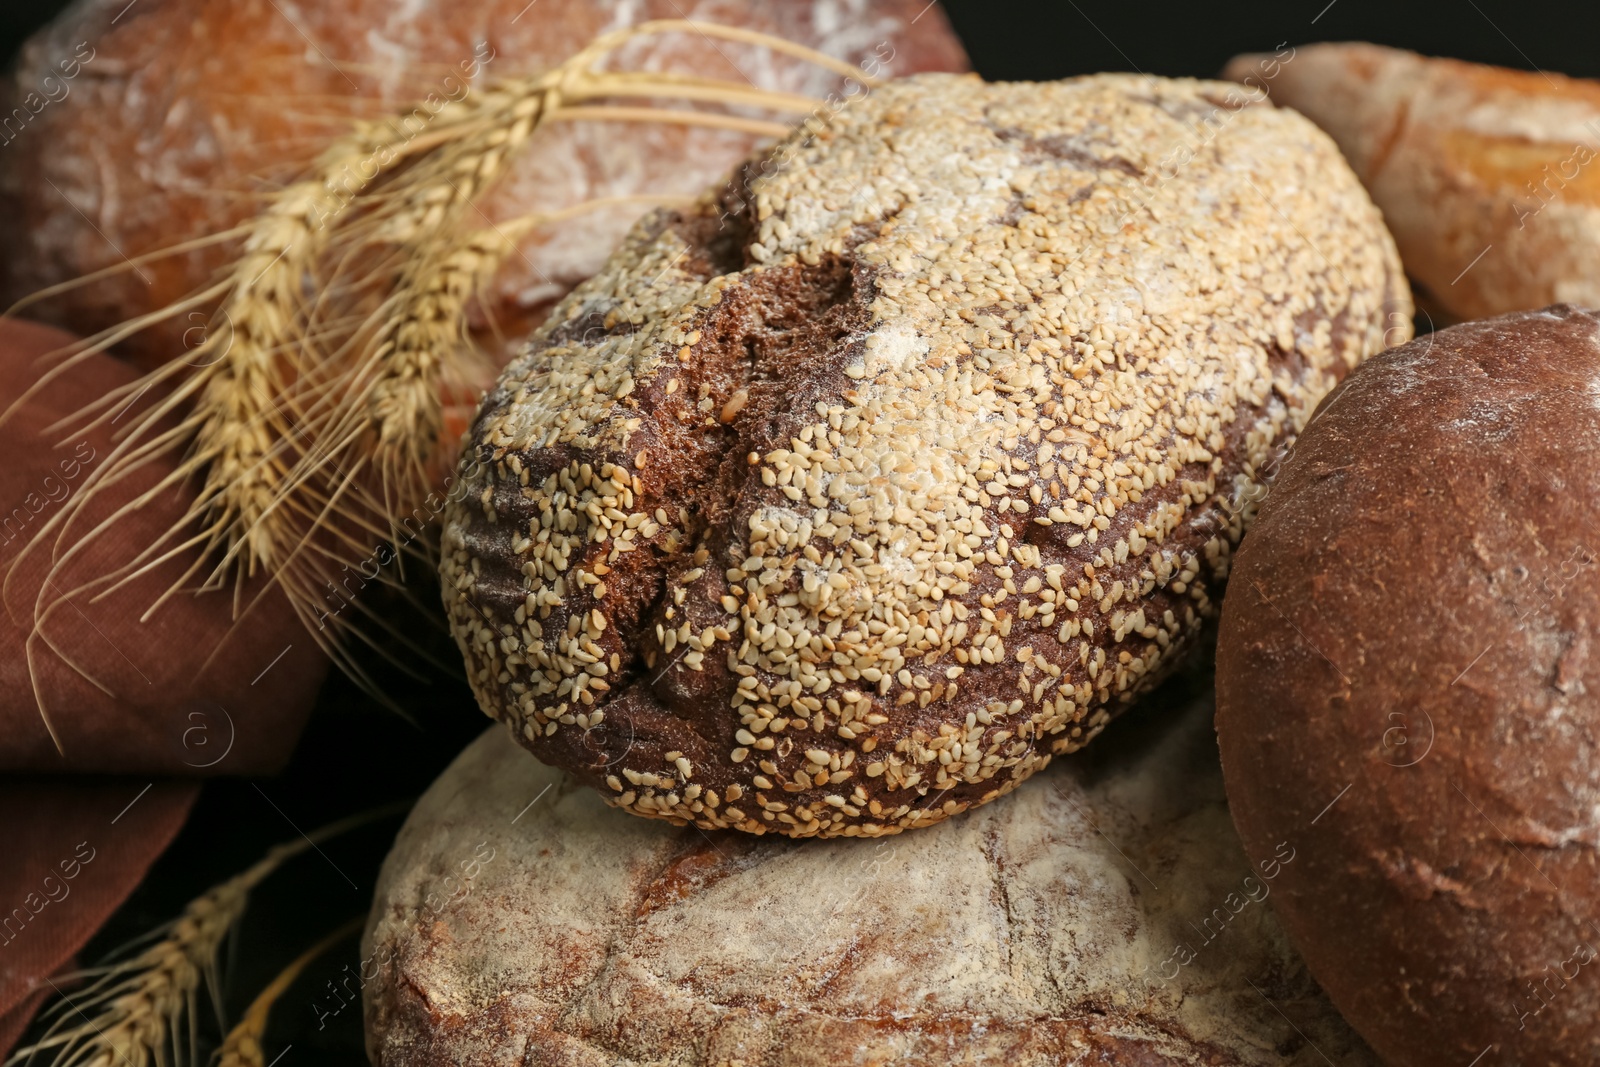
518	920
839	504
1486	176
178	115
1407	690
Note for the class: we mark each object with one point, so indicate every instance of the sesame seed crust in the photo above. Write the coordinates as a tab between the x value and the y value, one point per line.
844	501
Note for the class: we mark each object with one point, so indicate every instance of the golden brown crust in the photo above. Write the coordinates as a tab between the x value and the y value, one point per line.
1018	937
186	110
1407	688
1489	178
840	504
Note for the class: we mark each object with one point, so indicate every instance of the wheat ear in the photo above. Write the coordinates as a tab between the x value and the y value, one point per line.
311	414
242	1045
135	1011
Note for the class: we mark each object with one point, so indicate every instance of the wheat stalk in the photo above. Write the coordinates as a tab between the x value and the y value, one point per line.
242	1045
315	412
391	402
135	1011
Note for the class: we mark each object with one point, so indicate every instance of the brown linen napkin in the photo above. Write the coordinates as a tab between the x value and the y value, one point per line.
76	848
190	692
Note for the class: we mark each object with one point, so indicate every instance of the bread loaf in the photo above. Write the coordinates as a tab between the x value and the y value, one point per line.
179	114
1407	690
1107	916
840	503
1486	176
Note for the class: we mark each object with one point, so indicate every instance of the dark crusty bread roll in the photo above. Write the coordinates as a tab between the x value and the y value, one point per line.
520	921
1486	176
1408	690
840	503
185	110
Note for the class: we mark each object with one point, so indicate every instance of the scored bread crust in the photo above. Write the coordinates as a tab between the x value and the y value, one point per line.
841	502
1489	178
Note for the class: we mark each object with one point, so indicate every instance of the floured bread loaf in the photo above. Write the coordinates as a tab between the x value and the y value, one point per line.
1105	915
842	502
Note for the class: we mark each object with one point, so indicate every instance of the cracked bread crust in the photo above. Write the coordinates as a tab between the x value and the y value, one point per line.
842	502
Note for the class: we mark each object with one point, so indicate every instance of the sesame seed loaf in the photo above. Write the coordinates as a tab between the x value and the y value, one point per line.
519	921
840	503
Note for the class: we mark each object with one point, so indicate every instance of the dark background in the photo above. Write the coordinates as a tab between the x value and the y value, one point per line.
353	757
1056	38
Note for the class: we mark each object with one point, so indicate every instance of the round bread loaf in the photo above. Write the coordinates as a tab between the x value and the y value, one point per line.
132	128
1408	690
1107	916
839	504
